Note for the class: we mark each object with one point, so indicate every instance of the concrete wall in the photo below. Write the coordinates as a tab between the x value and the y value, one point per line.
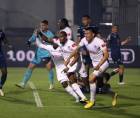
27	13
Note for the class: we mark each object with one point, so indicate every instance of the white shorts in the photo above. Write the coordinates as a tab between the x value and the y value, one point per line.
102	69
61	76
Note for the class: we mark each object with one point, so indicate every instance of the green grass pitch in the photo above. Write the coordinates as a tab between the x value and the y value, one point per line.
19	103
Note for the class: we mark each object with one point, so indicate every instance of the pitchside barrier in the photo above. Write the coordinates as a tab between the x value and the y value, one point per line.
21	56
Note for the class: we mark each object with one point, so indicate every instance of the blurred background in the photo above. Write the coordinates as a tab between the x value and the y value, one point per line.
18	18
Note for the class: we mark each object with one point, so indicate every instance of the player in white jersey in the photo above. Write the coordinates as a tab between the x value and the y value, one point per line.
60	66
64	26
58	60
99	56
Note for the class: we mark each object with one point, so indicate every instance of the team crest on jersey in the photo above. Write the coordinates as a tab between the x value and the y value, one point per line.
73	45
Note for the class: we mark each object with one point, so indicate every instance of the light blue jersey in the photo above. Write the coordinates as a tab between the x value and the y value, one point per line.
41	53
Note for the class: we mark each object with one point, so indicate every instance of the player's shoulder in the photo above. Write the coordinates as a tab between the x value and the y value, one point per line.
98	40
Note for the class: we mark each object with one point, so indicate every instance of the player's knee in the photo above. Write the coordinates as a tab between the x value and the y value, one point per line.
64	84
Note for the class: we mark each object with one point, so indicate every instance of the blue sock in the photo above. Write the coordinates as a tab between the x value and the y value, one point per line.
27	76
51	76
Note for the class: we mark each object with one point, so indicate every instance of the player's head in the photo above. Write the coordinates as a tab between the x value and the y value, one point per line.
44	25
90	33
62	23
114	29
86	20
62	37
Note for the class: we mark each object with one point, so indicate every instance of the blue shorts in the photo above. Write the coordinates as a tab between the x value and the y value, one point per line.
38	60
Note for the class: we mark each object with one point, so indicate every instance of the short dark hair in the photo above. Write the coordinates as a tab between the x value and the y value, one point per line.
45	22
92	29
65	21
63	33
86	16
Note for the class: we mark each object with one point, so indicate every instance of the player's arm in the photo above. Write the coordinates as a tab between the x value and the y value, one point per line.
105	56
126	41
43	46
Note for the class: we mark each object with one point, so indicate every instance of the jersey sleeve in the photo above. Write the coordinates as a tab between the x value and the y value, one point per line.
82	43
102	45
41	45
73	46
69	33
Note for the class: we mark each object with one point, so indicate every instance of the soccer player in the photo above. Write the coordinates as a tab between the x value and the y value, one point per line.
58	59
3	65
41	55
64	49
63	25
86	22
114	43
99	56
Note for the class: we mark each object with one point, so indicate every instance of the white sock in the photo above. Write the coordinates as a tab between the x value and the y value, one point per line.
77	89
92	92
71	92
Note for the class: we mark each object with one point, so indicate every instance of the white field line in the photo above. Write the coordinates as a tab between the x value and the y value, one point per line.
36	95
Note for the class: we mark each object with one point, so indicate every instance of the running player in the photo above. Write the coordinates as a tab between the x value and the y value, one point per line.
41	55
114	43
86	22
99	56
3	65
64	50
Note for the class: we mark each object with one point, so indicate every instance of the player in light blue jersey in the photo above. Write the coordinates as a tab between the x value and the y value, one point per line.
41	55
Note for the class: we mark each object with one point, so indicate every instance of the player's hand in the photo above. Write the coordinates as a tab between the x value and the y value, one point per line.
28	43
97	67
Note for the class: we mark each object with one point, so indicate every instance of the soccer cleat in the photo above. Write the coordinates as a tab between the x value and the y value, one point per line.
77	100
85	100
1	93
121	83
51	87
114	100
89	105
21	85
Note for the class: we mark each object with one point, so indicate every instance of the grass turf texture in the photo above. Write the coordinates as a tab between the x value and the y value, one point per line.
19	103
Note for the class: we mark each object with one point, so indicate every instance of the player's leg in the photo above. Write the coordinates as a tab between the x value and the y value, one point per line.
121	74
26	76
3	79
75	86
3	68
92	83
49	66
70	90
84	77
28	73
63	79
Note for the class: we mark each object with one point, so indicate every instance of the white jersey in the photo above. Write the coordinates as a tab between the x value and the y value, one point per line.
68	31
68	48
58	60
95	48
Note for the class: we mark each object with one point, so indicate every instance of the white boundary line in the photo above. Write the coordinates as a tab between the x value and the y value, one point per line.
36	95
